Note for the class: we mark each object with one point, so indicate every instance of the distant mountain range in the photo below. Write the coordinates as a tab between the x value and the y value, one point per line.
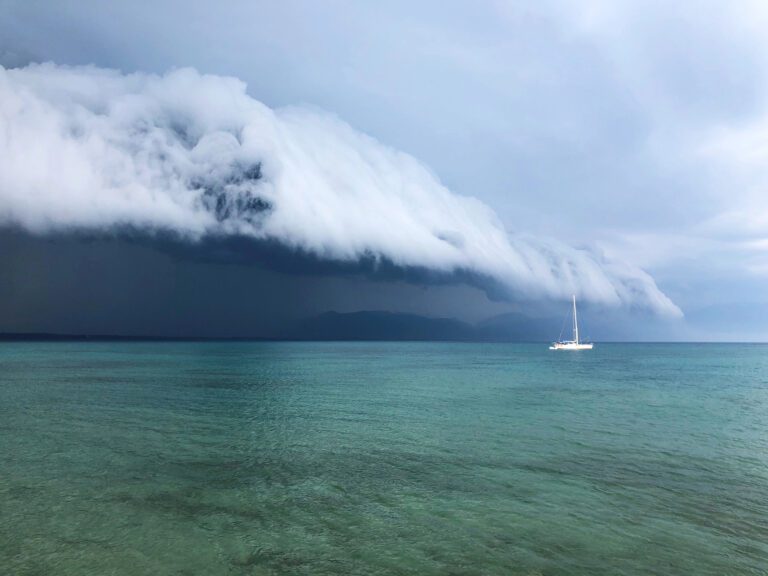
368	325
510	327
375	325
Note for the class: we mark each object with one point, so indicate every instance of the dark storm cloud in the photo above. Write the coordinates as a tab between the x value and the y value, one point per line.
275	256
90	283
243	252
194	156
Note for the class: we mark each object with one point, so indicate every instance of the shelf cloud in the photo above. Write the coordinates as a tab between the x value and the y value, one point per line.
193	155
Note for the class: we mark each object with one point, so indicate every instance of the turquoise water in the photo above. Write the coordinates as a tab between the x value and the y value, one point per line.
382	458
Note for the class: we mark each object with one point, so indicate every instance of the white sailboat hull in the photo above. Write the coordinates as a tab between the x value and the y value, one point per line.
570	346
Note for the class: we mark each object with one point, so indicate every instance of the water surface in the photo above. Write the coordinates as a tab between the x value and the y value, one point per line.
382	458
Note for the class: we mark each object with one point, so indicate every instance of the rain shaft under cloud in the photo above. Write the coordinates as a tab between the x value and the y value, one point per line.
93	149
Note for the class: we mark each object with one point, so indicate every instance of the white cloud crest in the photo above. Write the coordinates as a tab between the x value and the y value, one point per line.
92	148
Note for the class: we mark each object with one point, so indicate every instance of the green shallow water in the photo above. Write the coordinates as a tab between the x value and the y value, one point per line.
382	458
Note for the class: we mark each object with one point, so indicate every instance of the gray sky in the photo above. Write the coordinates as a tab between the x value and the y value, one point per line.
638	130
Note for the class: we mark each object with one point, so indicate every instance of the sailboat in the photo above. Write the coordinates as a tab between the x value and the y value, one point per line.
574	344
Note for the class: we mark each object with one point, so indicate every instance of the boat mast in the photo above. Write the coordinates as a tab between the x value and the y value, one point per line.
575	323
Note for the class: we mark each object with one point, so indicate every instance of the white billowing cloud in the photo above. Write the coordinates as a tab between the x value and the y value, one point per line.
194	154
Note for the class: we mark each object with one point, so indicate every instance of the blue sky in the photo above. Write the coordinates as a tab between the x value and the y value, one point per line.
636	129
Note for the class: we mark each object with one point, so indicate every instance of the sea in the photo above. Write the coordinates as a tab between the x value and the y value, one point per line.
357	458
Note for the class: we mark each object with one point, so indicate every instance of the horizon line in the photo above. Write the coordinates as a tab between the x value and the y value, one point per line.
69	337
